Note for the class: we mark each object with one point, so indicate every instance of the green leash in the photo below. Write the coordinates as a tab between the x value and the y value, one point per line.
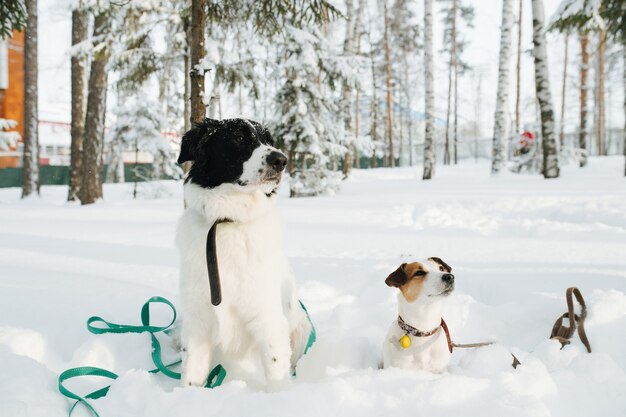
215	378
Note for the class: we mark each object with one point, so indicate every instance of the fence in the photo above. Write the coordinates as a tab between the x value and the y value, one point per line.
60	175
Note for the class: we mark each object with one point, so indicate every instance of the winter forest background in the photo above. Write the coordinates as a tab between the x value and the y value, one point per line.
487	133
342	85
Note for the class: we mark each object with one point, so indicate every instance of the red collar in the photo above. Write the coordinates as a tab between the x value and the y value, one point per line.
408	329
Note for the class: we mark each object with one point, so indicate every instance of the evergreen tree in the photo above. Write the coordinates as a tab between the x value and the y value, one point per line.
13	16
309	125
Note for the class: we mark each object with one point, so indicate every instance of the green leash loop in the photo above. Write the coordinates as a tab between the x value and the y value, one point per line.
312	334
84	371
215	378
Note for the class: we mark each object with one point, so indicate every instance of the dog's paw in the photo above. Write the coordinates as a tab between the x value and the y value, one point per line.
190	380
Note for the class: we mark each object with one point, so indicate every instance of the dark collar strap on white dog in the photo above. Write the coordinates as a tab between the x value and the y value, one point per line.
211	263
408	329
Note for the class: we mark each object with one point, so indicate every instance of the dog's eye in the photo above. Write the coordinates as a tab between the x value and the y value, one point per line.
441	269
419	273
238	139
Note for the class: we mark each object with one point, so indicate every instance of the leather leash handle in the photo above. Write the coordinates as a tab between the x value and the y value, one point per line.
212	267
564	333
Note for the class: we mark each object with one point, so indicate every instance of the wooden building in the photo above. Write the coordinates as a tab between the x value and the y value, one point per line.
12	88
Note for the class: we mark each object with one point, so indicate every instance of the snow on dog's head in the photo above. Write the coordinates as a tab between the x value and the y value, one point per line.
238	152
425	280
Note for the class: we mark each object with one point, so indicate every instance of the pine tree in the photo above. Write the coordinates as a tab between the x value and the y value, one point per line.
542	85
30	173
614	14
13	16
93	141
78	73
584	17
309	124
500	125
429	104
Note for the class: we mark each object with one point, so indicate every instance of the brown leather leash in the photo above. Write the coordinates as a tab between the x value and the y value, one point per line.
564	333
560	332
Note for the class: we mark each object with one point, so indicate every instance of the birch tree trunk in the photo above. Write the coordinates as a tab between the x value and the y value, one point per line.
542	83
456	112
30	172
451	71
91	169
562	121
584	68
601	113
346	93
429	89
388	84
500	127
78	70
519	65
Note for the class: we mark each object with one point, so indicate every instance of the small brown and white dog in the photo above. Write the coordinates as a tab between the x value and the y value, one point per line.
418	338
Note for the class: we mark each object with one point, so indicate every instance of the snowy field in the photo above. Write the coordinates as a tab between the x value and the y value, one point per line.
515	244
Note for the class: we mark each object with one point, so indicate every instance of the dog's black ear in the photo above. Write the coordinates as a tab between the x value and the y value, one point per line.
397	278
441	263
191	140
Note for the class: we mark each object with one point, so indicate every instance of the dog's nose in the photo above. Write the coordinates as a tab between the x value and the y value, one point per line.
449	278
277	160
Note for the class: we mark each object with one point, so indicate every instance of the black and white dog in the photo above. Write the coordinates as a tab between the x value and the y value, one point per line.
235	174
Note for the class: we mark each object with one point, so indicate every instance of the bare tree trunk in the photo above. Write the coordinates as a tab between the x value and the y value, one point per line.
346	93
451	70
500	125
542	82
429	104
456	112
446	146
30	173
600	125
562	128
388	82
584	68
518	66
91	169
78	70
374	126
624	87
196	75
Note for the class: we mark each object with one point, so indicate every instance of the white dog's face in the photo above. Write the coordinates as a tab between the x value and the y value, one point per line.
425	281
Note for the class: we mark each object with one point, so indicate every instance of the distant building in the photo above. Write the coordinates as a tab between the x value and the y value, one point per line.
12	90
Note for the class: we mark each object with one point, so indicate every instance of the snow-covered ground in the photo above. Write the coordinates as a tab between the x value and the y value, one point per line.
515	243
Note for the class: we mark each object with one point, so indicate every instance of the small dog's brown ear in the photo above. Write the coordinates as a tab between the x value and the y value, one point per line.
397	278
440	261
